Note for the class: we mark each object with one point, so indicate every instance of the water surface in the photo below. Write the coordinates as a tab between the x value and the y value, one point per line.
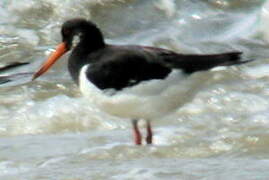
212	125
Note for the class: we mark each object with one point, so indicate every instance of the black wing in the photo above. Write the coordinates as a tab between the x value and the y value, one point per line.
121	66
190	63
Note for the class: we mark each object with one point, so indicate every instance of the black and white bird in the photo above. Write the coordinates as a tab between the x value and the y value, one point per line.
107	66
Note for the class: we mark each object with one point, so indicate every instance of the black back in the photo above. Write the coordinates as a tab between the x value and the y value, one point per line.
121	66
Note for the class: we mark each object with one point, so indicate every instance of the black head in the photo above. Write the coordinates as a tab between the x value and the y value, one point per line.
89	34
91	39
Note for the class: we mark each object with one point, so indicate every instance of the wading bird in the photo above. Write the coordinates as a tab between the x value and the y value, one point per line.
113	66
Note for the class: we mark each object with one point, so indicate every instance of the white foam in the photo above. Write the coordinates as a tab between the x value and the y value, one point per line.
28	36
168	6
264	22
11	168
59	113
258	71
220	146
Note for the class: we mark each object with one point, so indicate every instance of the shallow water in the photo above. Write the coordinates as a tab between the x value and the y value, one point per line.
212	125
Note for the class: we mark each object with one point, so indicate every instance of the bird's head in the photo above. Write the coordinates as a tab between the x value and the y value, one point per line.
90	38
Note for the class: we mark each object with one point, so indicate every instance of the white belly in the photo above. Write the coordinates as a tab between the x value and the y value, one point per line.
147	100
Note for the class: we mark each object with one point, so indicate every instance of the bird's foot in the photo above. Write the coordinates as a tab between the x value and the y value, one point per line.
138	135
149	133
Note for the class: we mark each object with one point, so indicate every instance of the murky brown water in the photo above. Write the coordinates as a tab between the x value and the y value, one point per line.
212	125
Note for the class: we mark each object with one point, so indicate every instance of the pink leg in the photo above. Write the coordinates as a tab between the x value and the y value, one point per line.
149	133
137	134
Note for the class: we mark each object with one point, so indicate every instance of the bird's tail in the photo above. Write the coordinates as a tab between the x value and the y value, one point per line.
193	63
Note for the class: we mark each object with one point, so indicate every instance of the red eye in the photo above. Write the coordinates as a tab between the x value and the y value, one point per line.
66	31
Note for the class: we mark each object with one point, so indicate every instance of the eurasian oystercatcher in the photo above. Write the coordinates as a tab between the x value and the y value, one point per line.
113	66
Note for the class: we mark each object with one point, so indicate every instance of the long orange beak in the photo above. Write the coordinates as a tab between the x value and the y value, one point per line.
60	50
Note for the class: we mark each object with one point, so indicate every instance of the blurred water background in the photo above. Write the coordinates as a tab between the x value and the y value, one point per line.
212	125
